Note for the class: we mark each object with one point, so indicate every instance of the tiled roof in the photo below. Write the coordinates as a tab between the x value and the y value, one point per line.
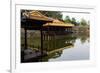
57	22
36	15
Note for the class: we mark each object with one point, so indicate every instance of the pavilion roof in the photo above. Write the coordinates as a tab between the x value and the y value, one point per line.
57	22
36	15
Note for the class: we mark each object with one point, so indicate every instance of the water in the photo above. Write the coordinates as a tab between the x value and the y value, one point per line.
76	47
78	52
72	46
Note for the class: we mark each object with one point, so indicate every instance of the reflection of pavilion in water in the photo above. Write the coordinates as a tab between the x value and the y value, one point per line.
53	37
53	46
56	44
57	40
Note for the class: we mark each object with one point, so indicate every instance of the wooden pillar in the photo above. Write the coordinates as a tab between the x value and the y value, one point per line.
25	38
41	41
48	37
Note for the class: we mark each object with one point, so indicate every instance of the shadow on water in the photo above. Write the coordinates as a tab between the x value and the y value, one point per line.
53	45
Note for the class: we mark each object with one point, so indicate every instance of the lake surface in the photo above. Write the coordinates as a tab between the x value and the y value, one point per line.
80	51
72	46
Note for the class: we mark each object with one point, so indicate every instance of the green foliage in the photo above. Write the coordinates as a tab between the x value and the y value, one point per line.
83	22
67	19
52	14
73	21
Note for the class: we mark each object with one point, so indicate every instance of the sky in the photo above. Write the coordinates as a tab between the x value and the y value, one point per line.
77	16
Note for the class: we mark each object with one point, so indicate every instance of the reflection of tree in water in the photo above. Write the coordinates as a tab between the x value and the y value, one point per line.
83	37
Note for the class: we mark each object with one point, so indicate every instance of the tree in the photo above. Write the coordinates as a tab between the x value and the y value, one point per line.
52	14
67	19
73	21
83	22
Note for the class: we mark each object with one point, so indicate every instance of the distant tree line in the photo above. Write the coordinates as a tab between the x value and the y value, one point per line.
72	20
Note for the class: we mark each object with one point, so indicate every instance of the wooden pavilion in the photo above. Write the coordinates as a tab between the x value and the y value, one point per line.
34	20
59	25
